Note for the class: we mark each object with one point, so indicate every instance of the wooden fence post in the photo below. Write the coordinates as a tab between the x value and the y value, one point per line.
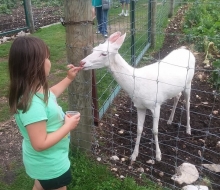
79	40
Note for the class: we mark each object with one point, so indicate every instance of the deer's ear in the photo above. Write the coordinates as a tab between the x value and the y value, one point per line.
120	41
114	37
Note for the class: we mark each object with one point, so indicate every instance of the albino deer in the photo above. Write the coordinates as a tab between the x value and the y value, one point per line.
148	86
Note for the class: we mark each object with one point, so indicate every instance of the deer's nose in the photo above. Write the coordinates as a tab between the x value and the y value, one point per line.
82	63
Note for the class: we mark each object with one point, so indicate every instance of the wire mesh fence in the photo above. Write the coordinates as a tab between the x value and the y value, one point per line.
116	132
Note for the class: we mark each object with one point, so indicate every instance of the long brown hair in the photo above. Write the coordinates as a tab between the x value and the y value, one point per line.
26	69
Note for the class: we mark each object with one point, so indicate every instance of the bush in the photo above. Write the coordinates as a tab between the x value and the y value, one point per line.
7	5
203	20
215	79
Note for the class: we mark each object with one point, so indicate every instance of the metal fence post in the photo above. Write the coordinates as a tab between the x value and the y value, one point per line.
153	22
132	10
149	20
29	15
172	2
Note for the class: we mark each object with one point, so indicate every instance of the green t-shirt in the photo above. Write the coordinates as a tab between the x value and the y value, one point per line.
54	161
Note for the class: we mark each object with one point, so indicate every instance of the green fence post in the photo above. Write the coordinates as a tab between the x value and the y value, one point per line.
149	20
29	15
153	22
132	10
172	3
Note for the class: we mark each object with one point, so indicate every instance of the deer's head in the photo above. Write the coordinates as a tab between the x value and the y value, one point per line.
101	54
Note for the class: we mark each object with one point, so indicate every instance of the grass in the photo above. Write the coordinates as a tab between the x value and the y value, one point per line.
4	50
87	175
93	176
4	109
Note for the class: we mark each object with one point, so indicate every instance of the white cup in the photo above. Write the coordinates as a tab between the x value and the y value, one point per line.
72	113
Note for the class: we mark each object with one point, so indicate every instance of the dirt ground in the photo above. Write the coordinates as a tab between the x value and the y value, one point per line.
176	146
42	17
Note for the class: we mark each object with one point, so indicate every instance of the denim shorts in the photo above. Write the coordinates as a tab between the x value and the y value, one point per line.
125	1
58	182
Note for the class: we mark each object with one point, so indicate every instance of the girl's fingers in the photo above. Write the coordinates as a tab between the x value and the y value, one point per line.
77	116
72	71
68	115
70	66
77	68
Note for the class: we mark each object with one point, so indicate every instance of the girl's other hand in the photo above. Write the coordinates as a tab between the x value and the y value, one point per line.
72	121
71	73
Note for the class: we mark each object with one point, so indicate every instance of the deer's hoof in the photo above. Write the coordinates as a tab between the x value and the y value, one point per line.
133	158
169	122
188	132
158	157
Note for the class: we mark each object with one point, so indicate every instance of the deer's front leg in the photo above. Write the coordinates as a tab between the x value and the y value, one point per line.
141	117
156	116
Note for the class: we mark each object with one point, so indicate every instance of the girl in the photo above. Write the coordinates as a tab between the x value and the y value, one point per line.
41	121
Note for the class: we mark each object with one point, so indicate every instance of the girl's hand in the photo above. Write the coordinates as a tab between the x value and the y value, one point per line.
72	121
71	73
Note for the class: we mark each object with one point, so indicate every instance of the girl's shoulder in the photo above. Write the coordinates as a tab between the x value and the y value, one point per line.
38	99
40	95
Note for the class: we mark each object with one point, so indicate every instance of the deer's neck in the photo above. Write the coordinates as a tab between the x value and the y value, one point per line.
119	65
123	73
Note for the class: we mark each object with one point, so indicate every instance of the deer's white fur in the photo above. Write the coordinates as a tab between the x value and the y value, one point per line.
148	86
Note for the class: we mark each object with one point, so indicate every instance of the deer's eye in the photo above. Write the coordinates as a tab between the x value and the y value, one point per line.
104	54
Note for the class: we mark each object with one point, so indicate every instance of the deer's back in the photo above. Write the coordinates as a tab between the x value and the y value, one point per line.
164	79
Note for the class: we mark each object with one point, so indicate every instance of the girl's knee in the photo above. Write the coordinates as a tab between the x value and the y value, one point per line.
37	185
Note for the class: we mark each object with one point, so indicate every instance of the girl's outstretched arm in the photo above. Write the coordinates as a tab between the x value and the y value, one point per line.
62	85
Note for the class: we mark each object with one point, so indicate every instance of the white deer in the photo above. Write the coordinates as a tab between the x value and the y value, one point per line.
148	86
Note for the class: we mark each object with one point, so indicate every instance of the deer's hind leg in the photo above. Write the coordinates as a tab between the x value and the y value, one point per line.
141	117
186	94
156	116
176	99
